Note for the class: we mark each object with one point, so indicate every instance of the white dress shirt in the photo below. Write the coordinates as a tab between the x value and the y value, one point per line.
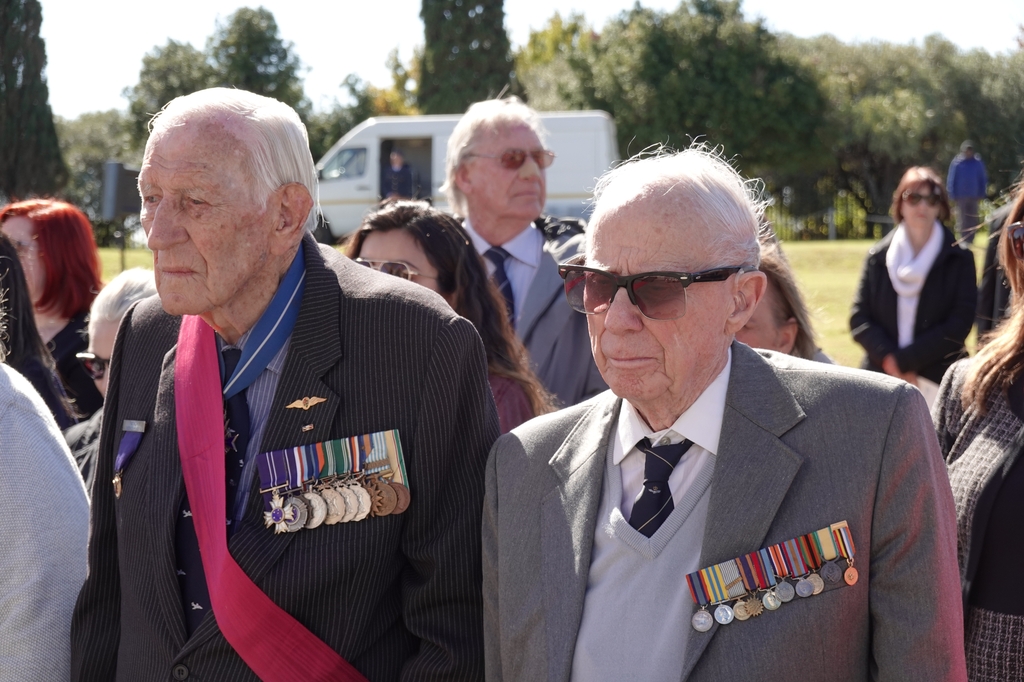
525	249
701	423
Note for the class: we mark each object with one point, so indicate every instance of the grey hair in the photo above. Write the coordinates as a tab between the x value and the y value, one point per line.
706	188
493	116
276	138
116	297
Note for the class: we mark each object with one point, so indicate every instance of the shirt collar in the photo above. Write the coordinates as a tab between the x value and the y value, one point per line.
526	246
276	363
701	422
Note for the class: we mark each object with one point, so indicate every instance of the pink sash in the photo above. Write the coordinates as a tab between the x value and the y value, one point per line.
267	638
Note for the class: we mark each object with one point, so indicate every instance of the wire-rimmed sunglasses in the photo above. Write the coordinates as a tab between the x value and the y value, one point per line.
1015	232
658	295
391	267
513	159
94	365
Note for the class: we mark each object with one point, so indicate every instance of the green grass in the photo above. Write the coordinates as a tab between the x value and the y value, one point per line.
828	273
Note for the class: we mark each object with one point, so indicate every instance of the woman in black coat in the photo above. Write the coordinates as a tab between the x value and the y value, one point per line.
915	303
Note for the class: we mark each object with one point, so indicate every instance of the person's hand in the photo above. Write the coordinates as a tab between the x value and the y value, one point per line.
890	367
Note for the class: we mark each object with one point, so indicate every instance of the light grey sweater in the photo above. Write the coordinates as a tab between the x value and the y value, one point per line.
45	529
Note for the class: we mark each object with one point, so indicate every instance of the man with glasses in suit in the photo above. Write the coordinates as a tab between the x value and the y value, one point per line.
496	180
720	513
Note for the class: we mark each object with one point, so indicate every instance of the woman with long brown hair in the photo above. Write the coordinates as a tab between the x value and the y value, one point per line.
979	418
412	240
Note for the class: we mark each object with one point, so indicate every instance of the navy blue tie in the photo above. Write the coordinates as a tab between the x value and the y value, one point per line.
195	597
655	502
497	256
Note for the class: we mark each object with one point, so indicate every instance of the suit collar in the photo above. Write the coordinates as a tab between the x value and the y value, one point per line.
569	517
753	471
545	288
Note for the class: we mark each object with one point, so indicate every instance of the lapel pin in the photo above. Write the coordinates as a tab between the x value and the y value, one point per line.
305	403
307	427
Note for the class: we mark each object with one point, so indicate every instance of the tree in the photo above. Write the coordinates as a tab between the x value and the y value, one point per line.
87	143
553	66
467	56
248	53
30	162
700	71
170	71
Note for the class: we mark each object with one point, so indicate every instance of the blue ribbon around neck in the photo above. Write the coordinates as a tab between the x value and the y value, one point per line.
272	329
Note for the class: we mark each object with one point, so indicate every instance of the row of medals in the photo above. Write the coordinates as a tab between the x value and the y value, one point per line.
749	606
339	501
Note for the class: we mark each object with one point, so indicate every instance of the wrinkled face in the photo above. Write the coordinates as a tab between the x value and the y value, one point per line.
399	246
20	230
658	363
499	192
922	216
101	344
764	330
208	236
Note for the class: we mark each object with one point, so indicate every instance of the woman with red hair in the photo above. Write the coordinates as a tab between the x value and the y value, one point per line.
58	253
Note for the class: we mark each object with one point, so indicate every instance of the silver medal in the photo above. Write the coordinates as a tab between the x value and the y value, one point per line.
335	505
364	502
300	513
817	582
785	592
804	587
702	621
771	601
317	509
724	614
351	503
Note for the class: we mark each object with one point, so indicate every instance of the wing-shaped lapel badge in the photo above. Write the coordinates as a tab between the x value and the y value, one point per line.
305	403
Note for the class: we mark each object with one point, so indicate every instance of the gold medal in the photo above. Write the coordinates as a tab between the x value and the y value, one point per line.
817	582
740	610
754	608
317	509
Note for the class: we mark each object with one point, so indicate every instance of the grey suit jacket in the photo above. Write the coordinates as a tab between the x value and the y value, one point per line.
396	596
555	335
803	445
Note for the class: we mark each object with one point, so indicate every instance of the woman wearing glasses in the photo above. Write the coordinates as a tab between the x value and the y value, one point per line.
62	266
411	240
915	303
979	418
26	351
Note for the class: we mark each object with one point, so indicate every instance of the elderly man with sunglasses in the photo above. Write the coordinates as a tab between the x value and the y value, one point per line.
720	513
496	180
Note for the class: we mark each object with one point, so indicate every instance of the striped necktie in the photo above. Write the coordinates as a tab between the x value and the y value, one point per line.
655	502
497	256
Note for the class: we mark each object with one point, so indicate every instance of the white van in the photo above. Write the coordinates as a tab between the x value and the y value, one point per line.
350	173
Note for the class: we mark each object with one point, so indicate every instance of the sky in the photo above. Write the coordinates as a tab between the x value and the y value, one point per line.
95	47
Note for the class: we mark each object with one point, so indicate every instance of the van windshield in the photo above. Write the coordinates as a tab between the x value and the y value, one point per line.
347	163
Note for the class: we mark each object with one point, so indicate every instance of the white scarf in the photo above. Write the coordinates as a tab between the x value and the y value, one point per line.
907	273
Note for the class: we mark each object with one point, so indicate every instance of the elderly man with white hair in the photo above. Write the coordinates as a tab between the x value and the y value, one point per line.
496	180
719	514
291	462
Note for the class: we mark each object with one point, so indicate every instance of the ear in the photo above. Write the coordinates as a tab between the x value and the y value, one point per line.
786	335
293	204
747	292
463	179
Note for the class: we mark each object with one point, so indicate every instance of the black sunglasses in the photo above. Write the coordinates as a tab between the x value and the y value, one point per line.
913	198
513	159
1015	232
94	365
658	295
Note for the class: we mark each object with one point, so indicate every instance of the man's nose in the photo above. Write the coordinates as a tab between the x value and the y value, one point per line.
165	226
622	314
530	169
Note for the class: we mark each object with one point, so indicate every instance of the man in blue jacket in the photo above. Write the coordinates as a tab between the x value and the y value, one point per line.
966	185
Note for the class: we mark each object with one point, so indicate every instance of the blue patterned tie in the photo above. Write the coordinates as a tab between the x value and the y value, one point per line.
497	256
655	502
195	597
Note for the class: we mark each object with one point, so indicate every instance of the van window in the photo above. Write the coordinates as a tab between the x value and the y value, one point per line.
347	163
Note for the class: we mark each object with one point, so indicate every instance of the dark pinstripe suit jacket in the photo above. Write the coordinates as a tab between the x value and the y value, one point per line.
397	596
